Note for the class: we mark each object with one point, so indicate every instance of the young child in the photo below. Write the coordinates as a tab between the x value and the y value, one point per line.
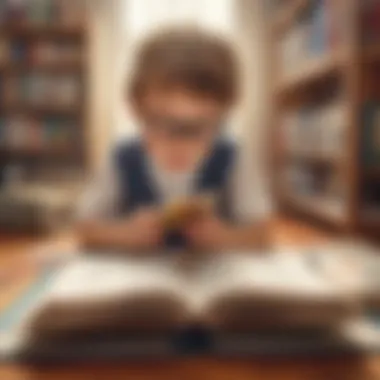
183	88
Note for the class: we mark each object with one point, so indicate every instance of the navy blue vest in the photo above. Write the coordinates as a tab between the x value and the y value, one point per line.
139	188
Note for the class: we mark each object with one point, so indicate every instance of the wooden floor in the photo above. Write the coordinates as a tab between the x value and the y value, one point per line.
19	255
205	369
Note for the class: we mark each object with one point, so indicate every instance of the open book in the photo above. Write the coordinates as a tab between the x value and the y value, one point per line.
228	292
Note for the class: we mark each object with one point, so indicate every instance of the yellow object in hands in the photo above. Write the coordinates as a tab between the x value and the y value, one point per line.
179	214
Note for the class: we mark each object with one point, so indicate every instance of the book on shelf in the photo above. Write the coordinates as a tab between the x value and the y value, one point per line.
71	13
40	52
4	51
318	31
312	185
25	133
275	6
42	90
43	12
370	21
317	131
370	200
370	141
314	142
39	11
62	52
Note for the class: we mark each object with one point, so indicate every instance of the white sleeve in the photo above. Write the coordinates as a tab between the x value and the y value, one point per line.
101	198
250	198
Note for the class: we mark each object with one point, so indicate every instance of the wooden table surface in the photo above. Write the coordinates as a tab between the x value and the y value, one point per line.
18	258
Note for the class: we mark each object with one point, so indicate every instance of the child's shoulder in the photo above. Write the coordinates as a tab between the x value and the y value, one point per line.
227	143
226	147
127	148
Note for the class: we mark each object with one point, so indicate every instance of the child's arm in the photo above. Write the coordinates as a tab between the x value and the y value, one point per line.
140	231
249	203
212	233
100	223
251	236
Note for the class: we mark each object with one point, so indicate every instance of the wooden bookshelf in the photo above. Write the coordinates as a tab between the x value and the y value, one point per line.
41	153
41	110
318	207
311	71
339	67
30	31
33	52
53	68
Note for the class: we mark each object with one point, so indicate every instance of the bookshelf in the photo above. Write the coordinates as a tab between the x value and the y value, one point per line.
318	207
325	57
287	15
31	31
310	72
43	53
372	53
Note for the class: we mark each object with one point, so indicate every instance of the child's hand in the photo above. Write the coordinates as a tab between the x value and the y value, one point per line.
144	229
209	233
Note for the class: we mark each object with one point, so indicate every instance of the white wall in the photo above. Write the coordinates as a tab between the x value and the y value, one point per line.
253	113
103	58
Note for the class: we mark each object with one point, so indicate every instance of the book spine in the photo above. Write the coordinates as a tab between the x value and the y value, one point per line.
371	21
16	11
41	11
371	134
3	126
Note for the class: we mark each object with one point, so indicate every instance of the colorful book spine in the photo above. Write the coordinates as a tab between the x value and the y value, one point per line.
15	10
42	11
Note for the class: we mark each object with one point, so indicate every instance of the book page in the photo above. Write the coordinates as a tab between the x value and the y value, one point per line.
109	292
97	278
273	275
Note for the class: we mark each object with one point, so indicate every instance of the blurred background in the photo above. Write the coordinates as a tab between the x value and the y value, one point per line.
309	118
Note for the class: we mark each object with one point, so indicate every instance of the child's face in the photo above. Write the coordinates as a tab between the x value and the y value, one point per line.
178	127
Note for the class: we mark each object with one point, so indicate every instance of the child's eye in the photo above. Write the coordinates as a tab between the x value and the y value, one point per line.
180	128
187	129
